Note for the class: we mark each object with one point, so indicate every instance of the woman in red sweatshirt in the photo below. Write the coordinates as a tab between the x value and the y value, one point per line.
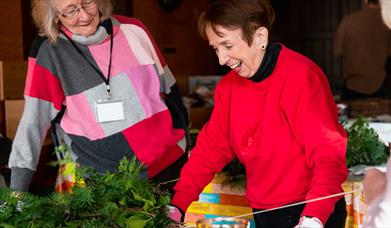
274	111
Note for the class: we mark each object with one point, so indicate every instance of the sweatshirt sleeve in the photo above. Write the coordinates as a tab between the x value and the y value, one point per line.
43	98
315	124
211	153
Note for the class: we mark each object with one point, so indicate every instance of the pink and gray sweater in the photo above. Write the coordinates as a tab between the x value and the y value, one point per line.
155	119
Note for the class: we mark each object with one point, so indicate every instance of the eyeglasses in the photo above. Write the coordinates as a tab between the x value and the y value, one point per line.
73	11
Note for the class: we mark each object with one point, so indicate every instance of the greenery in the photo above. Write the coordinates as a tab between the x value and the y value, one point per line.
118	199
364	146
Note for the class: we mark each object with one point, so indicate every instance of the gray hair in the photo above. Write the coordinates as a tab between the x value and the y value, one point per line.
45	16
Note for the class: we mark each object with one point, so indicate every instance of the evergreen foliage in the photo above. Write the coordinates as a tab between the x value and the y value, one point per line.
120	199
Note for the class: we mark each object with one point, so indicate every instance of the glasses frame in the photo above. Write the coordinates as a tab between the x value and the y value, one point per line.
78	8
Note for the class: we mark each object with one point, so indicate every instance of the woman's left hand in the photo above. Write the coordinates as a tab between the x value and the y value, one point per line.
374	184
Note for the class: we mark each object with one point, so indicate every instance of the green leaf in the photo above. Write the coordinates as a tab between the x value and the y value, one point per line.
135	222
364	145
120	199
3	225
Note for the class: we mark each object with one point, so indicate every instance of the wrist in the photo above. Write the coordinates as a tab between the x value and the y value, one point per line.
309	221
175	213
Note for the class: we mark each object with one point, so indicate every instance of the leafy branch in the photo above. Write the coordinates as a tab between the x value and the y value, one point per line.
120	199
364	146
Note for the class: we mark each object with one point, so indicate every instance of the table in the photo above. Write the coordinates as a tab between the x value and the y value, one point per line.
218	200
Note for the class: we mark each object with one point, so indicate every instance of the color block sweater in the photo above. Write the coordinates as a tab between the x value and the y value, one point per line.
155	118
284	129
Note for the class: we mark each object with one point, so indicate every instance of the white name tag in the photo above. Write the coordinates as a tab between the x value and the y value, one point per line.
109	110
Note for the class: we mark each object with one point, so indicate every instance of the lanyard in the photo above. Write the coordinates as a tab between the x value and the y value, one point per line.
102	76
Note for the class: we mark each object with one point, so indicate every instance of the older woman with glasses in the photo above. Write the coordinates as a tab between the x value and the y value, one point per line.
118	96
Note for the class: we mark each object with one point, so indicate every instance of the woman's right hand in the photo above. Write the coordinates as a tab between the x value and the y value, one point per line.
174	213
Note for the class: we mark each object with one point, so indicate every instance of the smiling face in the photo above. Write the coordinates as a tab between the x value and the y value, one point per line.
81	17
232	50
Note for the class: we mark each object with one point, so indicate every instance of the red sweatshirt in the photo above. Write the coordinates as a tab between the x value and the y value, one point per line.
284	129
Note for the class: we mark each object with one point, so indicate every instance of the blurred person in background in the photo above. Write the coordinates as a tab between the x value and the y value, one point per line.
377	184
363	42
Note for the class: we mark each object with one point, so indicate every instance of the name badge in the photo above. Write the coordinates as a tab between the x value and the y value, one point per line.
109	110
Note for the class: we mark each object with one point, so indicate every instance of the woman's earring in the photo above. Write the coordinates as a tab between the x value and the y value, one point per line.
263	47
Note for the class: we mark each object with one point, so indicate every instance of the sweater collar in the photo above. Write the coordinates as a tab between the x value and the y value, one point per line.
268	63
102	33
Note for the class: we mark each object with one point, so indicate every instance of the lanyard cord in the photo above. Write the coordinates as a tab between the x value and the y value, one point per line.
107	81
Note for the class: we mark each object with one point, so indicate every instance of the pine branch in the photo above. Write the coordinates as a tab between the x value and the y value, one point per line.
120	199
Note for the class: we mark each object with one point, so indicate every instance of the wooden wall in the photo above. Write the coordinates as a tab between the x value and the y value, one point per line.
11	39
177	36
309	26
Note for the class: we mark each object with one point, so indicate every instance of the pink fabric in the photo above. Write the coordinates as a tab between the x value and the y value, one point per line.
79	118
31	63
42	76
172	153
134	21
154	139
146	84
122	59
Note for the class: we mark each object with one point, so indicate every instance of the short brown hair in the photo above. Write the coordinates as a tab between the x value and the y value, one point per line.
249	15
45	16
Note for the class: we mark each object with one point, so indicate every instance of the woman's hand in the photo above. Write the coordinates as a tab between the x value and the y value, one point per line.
309	222
175	214
374	184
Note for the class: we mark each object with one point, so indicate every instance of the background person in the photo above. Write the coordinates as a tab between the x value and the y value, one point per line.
120	97
377	192
377	185
364	42
274	111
